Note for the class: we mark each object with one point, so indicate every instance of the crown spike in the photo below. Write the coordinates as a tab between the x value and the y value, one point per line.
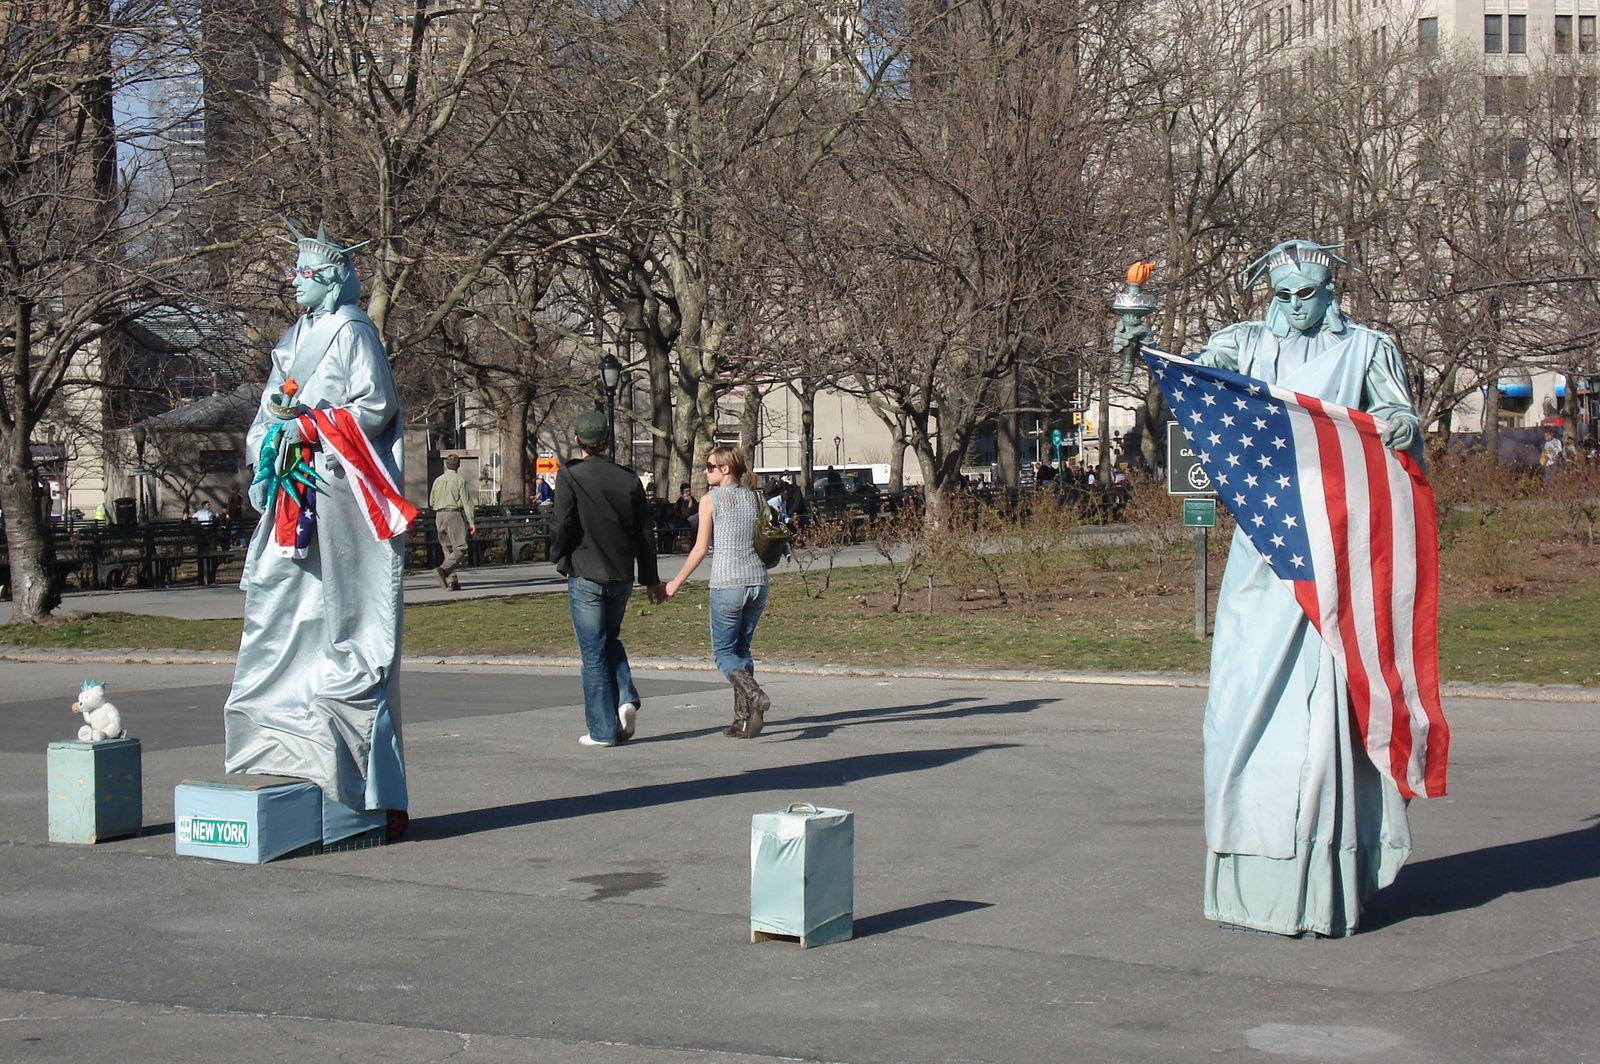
320	244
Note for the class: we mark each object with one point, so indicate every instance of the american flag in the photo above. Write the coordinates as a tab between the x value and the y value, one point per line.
1348	525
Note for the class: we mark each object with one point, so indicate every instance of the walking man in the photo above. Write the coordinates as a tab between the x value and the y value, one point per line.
454	519
602	538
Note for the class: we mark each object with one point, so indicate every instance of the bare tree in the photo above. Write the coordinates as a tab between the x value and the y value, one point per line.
79	258
964	229
750	97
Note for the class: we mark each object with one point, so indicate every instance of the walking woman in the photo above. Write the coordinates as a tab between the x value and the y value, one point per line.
738	581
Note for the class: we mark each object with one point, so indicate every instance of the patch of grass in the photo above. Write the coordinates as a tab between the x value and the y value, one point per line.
123	631
839	628
1545	639
1549	639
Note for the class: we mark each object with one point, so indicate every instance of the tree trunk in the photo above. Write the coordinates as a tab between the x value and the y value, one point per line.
33	590
1569	410
750	421
661	420
1491	417
1007	447
808	425
1150	446
516	471
1104	427
897	459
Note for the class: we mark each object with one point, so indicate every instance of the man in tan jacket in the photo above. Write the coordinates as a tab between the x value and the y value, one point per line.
454	518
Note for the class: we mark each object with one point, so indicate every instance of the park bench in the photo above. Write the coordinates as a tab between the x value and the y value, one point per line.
152	554
506	535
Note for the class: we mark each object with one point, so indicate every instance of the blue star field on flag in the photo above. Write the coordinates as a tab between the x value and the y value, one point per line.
1242	437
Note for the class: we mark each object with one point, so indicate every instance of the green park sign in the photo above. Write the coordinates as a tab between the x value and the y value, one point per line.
1199	513
1185	475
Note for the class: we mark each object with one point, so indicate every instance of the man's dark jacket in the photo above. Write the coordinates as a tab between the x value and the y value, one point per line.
603	527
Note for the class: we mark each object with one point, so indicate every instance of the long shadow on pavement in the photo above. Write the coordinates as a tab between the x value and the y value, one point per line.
784	777
816	726
1475	878
911	915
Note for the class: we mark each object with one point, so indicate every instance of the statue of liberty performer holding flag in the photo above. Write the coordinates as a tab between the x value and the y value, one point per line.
1322	718
315	694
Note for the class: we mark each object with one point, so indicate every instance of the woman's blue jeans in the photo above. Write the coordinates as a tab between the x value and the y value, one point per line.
597	611
734	613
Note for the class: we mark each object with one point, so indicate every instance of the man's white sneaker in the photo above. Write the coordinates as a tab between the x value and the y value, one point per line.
627	717
588	740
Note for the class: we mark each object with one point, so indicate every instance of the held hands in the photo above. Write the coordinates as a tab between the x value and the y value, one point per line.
659	593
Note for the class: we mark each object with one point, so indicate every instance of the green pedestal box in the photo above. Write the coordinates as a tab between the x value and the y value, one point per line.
96	790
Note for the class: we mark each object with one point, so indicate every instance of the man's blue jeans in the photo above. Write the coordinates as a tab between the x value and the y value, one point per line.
734	613
597	612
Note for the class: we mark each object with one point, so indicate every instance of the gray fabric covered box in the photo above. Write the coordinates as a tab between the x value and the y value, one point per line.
802	875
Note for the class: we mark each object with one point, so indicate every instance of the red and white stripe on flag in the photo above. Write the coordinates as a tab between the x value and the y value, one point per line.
386	510
1374	598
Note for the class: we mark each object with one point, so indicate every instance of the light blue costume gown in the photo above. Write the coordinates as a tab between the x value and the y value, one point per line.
316	691
1300	826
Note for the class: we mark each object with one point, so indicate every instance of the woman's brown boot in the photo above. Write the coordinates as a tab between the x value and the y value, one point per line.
756	702
741	710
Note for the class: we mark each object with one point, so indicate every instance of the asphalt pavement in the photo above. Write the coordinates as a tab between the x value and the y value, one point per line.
1028	877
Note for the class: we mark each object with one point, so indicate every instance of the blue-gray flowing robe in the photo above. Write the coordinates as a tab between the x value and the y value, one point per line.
316	690
1300	825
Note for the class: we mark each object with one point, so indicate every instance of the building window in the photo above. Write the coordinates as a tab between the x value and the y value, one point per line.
1563	34
1577	156
1517	34
1516	157
1493	27
1429	103
1493	96
1562	100
1427	162
1517	97
1428	36
1586	33
1586	96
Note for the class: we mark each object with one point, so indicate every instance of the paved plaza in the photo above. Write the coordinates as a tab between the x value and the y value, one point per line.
1028	858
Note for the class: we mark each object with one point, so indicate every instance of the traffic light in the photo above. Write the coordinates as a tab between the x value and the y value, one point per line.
1074	419
1074	400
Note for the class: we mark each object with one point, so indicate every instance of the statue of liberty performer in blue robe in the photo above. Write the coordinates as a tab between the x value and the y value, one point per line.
1301	825
315	694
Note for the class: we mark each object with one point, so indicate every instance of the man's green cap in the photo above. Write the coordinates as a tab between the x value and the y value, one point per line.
592	427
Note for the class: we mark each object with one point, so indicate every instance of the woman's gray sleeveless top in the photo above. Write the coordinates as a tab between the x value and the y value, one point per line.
734	562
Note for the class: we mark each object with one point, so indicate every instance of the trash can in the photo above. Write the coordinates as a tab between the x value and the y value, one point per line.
126	511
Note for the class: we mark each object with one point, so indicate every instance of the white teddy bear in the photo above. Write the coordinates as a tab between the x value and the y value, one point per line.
102	720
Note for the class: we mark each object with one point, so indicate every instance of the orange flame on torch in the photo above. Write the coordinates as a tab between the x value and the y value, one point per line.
1140	272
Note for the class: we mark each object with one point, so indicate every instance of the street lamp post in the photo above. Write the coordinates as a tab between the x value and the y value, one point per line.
610	377
140	470
838	450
